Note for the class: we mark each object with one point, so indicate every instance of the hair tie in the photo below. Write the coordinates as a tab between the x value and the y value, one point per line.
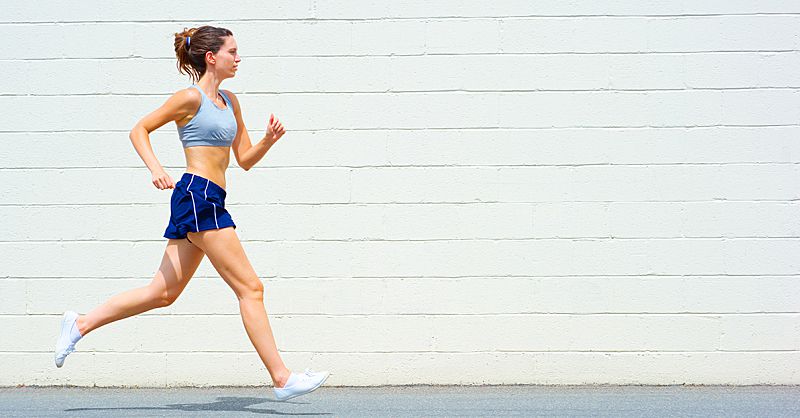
188	41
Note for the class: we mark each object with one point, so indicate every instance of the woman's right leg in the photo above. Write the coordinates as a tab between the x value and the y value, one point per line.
180	261
226	254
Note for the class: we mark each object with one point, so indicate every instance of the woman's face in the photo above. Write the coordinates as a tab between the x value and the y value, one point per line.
226	60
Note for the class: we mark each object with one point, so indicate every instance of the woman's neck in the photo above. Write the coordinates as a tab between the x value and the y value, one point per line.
210	83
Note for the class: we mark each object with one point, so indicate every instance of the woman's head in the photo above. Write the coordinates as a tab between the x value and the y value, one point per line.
204	48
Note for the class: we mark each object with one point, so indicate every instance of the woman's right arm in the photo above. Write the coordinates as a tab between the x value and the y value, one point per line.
177	107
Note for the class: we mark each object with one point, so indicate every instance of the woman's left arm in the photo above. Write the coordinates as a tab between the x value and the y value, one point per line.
247	154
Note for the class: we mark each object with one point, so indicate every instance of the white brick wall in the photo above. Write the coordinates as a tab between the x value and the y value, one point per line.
468	192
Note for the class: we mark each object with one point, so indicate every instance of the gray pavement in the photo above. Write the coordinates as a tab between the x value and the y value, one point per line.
409	401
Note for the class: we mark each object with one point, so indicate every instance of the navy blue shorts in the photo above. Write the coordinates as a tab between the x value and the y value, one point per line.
197	204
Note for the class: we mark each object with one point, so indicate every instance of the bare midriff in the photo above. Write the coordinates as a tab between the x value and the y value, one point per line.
209	162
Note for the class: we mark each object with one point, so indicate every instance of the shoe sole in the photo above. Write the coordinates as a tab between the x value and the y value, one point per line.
306	393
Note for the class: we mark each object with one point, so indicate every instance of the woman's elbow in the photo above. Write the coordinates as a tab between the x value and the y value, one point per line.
135	132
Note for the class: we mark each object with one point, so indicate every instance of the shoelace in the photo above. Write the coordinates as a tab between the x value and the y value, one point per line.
67	351
70	349
306	373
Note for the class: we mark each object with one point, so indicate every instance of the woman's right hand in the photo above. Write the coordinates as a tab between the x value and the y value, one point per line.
162	180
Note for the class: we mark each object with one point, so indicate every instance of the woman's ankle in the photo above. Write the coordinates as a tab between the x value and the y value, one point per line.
83	328
280	380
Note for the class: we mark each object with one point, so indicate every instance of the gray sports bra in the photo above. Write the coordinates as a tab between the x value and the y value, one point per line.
211	125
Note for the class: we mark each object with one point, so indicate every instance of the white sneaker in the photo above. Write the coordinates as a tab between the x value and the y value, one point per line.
64	345
300	384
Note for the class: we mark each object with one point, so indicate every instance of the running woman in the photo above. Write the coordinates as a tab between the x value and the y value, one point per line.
209	122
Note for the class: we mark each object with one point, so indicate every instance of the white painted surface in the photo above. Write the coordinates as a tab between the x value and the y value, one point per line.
468	193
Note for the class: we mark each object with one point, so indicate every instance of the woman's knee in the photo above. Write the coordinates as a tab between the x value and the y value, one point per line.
161	296
251	289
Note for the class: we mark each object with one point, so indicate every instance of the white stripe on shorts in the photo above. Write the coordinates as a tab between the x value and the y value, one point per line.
215	214
215	205
194	208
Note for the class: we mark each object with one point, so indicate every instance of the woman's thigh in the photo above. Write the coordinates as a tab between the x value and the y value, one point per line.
225	251
178	265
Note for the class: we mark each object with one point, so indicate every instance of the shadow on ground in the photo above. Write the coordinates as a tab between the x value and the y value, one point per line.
222	404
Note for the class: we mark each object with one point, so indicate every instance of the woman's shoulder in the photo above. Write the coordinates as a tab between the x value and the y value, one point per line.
189	93
229	94
189	98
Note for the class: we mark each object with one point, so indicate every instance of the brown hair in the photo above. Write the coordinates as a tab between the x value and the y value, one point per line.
191	55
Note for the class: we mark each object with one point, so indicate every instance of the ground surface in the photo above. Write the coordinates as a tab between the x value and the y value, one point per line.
410	401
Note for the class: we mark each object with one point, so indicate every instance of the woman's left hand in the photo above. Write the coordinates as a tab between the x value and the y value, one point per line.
275	129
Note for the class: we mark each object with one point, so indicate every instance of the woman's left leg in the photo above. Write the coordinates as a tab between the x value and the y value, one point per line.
178	265
226	254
